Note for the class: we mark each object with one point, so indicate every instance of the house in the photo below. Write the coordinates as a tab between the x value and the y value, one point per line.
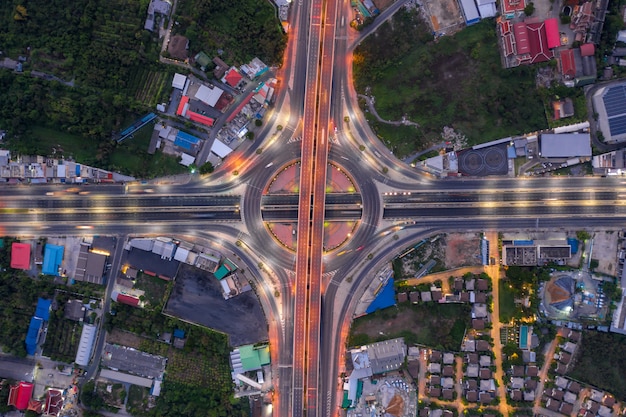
566	409
74	310
447	382
434	380
517	382
485	361
220	68
448	370
434	392
478	324
447	394
434	368
448	358
472	371
574	387
425	296
435	356
485	373
485	397
482	346
471	358
402	297
532	370
569	397
471	385
471	396
479	311
553	405
530	384
232	77
155	7
516	395
567	64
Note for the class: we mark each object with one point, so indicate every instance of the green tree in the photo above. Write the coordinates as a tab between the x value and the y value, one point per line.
529	9
206	168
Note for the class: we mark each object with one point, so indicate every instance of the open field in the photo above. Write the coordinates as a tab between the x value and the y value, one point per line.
457	82
149	87
155	289
62	144
601	362
432	324
508	309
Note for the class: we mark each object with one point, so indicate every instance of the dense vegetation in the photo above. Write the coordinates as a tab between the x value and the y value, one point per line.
111	71
241	29
601	362
198	381
457	81
18	299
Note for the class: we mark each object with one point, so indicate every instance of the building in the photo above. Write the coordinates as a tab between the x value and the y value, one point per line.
530	253
528	42
232	77
125	299
610	104
179	81
74	310
249	358
52	258
220	68
42	310
486	8
20	395
90	266
611	163
20	256
470	11
162	7
565	145
85	346
512	8
203	60
209	95
32	336
254	69
220	149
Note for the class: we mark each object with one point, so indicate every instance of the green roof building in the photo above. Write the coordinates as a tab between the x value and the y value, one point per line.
202	59
254	357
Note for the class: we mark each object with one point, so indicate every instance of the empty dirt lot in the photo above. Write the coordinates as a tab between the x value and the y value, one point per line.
443	15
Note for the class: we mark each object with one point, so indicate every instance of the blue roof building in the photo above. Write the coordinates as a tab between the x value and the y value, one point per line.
52	258
33	335
385	298
43	309
179	333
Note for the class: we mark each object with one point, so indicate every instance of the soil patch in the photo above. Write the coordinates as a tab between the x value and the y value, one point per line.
462	249
120	337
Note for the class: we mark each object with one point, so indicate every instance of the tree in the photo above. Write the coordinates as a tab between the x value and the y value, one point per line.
250	135
582	235
529	9
258	122
206	168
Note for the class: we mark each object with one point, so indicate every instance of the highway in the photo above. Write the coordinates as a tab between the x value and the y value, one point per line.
308	323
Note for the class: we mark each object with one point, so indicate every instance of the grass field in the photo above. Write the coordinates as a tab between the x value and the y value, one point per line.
137	399
432	324
62	144
601	362
155	288
457	81
132	158
508	308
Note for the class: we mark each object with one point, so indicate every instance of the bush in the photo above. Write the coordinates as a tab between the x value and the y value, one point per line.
258	122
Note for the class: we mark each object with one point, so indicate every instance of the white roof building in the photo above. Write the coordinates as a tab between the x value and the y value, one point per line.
220	149
179	81
486	8
565	145
209	96
142	243
186	159
85	346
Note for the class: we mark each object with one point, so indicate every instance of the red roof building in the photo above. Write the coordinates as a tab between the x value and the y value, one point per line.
532	42
552	32
19	395
54	402
232	77
568	64
182	106
196	117
512	6
128	300
587	49
20	256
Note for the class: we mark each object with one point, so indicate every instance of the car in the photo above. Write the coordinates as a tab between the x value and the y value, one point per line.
360	248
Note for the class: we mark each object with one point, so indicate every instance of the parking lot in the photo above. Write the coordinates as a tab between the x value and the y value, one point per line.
197	297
